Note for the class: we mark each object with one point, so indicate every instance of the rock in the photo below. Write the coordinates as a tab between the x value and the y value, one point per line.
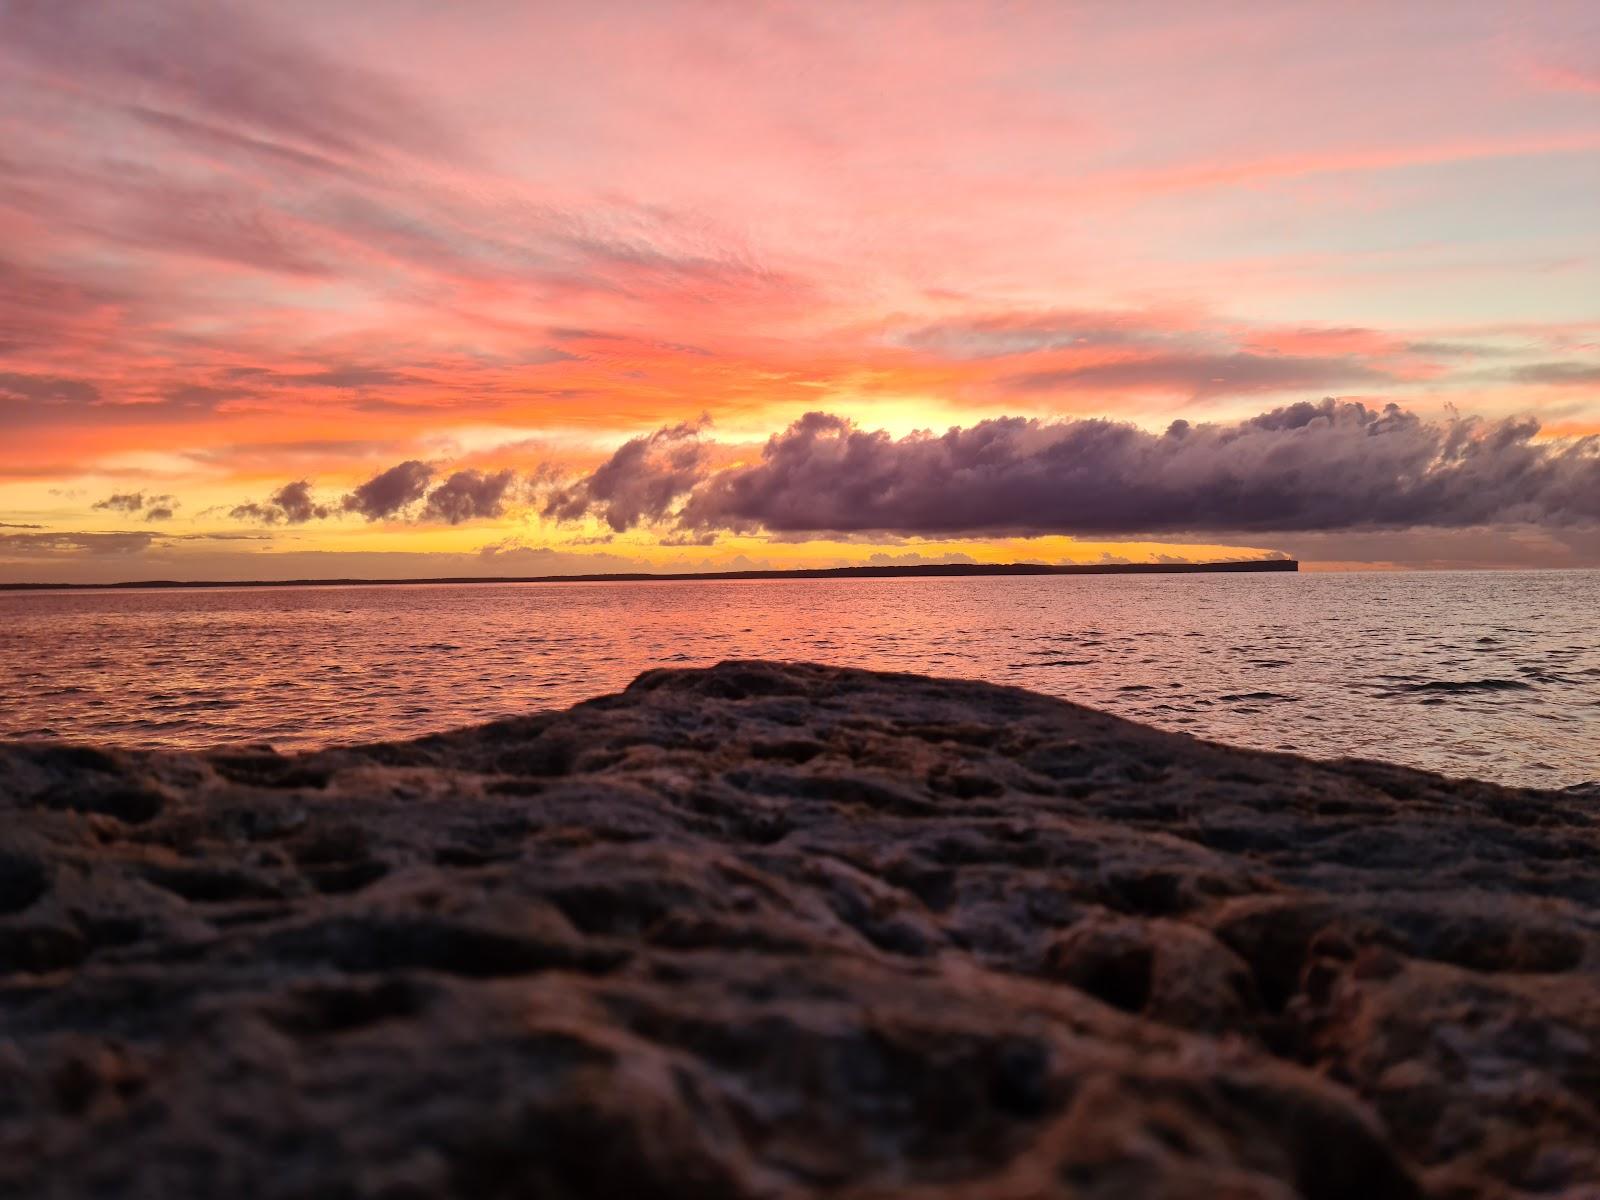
785	931
1166	970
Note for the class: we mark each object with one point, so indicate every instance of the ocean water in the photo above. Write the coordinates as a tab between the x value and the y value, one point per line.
1488	674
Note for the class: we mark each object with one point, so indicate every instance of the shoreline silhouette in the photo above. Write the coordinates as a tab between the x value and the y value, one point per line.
918	571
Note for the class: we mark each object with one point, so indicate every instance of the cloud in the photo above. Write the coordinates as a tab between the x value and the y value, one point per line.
468	495
1560	374
1164	350
160	507
637	483
689	537
217	537
1310	466
340	378
49	544
292	504
31	400
40	307
12	525
913	559
1443	349
247	78
36	399
294	499
127	502
251	457
385	494
1204	374
513	556
1029	333
51	390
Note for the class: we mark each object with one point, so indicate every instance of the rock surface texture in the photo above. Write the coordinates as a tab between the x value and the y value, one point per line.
791	931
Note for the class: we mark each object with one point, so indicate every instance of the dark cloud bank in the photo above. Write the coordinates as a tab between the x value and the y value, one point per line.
1303	468
1308	468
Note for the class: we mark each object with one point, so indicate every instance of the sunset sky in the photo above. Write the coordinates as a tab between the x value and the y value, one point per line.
399	287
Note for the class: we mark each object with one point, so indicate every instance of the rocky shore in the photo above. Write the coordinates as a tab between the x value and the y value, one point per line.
787	931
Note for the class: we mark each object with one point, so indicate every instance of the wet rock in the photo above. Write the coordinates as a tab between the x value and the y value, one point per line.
787	931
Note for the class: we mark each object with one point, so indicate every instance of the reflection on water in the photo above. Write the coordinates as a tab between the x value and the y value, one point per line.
1490	674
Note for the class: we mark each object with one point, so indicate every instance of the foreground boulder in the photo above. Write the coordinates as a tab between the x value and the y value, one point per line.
787	931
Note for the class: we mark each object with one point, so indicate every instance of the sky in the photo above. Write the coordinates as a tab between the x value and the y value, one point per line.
402	288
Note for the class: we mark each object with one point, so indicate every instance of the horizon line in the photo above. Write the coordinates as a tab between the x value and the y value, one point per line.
918	570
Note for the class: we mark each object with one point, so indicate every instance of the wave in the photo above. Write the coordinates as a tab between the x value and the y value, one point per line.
1467	685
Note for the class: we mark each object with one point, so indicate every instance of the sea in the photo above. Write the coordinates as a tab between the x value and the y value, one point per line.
1492	675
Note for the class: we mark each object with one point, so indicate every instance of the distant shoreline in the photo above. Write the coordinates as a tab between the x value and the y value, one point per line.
922	571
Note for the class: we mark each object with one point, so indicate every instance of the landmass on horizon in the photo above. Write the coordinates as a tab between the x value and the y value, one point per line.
920	571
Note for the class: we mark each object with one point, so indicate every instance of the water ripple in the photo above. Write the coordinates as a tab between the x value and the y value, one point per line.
1489	674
